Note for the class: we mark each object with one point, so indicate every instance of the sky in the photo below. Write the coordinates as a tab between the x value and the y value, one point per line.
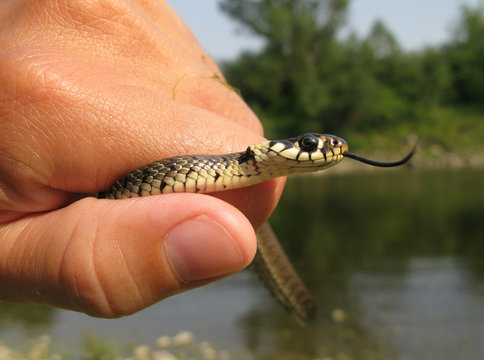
415	23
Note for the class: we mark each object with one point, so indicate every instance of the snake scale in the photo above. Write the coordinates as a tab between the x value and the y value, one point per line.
308	152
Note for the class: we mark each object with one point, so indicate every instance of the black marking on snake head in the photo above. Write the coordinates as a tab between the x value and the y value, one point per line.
217	175
247	156
300	153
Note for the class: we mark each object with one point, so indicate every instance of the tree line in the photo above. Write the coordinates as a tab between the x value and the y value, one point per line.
306	77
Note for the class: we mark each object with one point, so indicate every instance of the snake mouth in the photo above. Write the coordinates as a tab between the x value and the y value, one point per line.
381	163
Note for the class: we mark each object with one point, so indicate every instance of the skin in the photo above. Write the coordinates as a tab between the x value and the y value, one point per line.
90	90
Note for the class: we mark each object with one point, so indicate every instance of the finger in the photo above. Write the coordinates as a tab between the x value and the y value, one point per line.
107	142
163	18
256	202
125	47
89	122
113	258
86	151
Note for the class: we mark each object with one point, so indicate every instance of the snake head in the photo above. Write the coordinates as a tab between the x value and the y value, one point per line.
306	153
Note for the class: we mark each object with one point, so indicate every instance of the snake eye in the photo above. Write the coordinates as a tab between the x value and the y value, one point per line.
308	142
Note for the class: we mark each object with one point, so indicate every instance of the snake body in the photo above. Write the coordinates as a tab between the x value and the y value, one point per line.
308	152
210	173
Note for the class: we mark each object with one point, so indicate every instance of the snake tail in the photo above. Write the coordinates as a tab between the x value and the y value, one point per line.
280	278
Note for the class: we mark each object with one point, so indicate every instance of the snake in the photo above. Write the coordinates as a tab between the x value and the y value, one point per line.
306	153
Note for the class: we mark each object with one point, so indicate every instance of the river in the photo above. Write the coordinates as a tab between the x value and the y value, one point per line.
395	260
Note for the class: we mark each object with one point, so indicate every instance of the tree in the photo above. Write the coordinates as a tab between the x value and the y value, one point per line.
466	57
285	83
306	78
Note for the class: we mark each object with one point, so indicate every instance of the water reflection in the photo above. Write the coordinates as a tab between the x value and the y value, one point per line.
397	254
360	239
341	222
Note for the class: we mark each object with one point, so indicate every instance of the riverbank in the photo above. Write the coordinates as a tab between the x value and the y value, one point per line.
433	157
181	346
450	137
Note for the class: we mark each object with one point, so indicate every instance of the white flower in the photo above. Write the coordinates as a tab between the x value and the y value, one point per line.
182	338
163	341
163	355
141	352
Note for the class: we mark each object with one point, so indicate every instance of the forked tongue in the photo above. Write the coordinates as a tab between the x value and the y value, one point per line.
381	163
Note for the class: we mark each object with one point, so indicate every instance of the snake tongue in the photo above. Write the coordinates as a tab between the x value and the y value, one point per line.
381	163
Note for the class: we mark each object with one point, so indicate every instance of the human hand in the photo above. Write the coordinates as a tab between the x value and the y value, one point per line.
88	92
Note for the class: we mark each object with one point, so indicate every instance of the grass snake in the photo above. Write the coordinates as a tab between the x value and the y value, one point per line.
308	152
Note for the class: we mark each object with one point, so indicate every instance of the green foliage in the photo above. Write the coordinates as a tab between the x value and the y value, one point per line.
308	79
284	78
466	57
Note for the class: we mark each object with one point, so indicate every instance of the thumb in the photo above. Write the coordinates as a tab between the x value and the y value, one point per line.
112	258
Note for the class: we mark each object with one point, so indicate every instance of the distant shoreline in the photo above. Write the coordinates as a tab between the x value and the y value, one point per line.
423	161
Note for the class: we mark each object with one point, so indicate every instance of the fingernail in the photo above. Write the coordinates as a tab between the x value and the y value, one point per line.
201	248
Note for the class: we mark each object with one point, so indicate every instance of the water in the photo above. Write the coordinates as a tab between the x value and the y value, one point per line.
394	258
